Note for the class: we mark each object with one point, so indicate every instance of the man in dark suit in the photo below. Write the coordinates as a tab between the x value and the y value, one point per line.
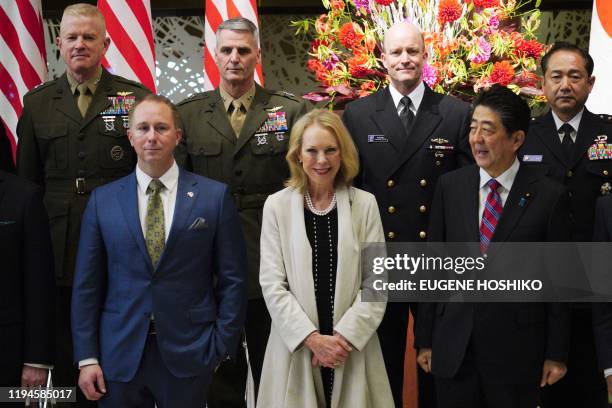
149	324
72	138
238	134
565	142
6	155
27	290
495	355
407	136
602	312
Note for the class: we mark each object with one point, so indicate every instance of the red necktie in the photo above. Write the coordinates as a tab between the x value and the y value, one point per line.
490	215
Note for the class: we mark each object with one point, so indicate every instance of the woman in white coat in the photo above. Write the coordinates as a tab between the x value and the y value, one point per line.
323	349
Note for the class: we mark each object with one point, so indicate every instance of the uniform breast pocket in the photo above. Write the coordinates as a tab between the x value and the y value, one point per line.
115	150
206	158
53	145
267	144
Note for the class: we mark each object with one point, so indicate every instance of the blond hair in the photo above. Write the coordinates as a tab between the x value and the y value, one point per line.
84	10
349	164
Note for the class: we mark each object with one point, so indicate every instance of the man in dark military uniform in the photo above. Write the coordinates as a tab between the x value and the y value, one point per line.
407	136
72	138
238	134
573	144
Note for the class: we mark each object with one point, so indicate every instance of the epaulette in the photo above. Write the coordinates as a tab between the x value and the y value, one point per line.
605	118
196	97
129	82
287	95
42	86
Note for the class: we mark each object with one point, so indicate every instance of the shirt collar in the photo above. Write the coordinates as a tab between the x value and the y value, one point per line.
574	122
416	96
91	83
169	179
505	179
246	98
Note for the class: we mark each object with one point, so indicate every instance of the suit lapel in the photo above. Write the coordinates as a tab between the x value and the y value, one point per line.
426	121
256	116
586	136
470	205
387	120
65	101
100	99
127	196
521	194
182	209
218	118
550	138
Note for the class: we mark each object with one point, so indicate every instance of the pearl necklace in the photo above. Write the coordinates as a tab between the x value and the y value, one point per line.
312	208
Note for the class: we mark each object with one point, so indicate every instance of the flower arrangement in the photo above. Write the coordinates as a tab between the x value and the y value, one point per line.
471	44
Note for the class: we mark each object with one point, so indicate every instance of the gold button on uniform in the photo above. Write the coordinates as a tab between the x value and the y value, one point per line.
438	162
605	172
423	182
390	183
391	209
570	173
391	235
422	209
422	235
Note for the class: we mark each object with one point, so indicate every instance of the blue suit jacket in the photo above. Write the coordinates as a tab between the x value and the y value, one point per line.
197	293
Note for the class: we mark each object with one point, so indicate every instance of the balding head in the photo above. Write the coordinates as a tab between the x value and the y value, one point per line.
403	56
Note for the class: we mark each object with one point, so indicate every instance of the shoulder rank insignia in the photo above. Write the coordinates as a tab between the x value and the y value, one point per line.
600	149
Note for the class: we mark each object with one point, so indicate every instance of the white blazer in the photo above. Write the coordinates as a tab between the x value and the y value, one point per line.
288	379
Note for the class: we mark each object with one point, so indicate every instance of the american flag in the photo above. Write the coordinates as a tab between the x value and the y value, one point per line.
215	13
23	62
132	52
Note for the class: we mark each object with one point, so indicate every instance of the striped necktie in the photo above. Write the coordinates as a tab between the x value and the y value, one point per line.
490	216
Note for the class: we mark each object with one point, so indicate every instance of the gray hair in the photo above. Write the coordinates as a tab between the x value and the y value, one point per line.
239	24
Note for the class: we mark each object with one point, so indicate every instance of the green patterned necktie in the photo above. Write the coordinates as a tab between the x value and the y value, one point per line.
155	235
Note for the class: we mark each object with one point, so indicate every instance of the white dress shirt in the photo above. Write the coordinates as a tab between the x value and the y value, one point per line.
506	179
574	122
416	96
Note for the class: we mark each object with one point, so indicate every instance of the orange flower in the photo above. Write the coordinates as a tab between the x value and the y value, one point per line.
368	86
503	73
348	35
337	5
322	24
448	11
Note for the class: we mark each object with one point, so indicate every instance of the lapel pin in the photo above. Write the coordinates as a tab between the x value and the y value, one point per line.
190	194
523	200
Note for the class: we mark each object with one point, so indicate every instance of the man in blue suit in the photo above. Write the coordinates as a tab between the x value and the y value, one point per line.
159	290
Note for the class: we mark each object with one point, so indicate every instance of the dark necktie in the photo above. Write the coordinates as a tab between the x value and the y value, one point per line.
406	116
568	144
490	216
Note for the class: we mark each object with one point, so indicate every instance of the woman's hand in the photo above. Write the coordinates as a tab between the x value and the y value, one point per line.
328	351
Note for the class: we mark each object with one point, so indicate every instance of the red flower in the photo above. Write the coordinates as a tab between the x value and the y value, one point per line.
316	43
348	36
448	11
531	48
486	3
368	86
384	2
503	73
359	71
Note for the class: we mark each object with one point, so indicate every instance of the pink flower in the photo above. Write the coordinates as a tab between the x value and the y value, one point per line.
481	51
429	75
362	4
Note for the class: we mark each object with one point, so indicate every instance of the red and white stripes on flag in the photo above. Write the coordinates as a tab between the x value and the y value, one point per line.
132	52
217	11
23	62
600	48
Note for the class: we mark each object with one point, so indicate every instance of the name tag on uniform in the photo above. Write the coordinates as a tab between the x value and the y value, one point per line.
377	139
532	158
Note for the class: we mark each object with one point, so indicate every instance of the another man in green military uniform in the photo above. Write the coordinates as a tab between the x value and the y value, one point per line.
72	138
238	134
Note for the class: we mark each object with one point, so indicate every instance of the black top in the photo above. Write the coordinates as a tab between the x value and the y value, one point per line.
322	231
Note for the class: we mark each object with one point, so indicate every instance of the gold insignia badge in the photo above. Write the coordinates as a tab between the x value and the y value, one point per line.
274	109
124	93
439	140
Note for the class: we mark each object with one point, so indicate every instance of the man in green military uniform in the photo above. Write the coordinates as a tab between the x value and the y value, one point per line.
238	134
72	138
